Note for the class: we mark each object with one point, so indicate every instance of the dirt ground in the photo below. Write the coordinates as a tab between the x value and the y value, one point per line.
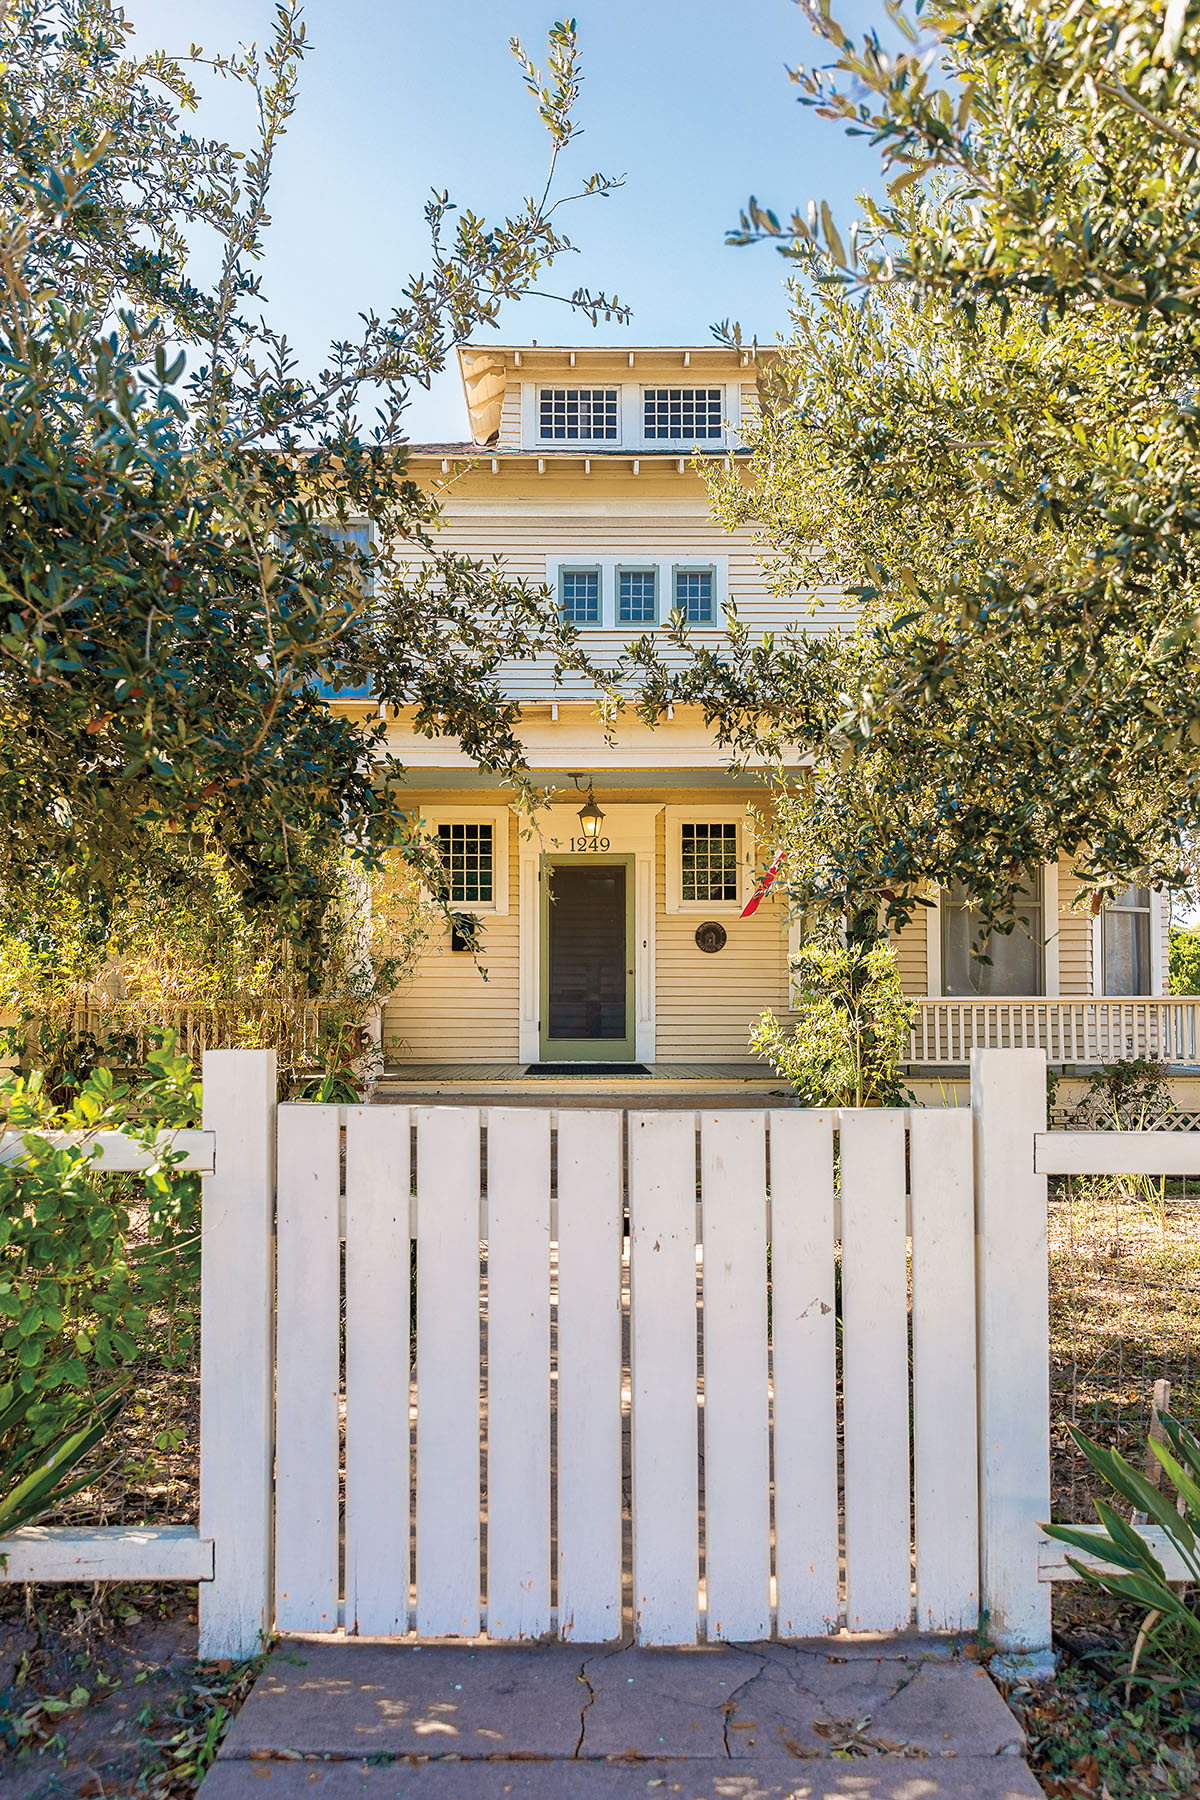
101	1694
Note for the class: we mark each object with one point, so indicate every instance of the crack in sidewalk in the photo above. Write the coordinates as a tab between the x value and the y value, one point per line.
577	1754
743	1687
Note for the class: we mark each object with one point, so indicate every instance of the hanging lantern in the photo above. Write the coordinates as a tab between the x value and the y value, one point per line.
590	816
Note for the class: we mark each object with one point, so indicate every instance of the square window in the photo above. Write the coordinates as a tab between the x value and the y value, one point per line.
682	414
1016	965
637	596
694	596
569	414
468	860
709	861
579	596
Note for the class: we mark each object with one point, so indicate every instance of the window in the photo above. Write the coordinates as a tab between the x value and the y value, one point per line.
467	857
579	596
575	413
637	596
694	595
1127	943
682	414
357	535
708	861
1016	957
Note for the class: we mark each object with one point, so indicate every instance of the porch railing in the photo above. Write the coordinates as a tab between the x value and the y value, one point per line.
1072	1032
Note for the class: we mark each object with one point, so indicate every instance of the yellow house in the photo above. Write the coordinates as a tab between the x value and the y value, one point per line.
610	927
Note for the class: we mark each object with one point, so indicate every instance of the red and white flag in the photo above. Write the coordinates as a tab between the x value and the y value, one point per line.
757	897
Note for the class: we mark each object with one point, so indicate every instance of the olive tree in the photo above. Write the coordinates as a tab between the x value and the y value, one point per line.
177	585
985	428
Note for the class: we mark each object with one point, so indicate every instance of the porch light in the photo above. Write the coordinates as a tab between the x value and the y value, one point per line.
590	816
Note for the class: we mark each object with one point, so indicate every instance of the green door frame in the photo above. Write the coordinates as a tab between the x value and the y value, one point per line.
585	1049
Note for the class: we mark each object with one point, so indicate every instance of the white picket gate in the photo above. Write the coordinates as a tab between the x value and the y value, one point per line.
605	1416
710	1392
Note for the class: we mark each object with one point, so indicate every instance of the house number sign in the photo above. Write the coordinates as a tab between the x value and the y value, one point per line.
587	843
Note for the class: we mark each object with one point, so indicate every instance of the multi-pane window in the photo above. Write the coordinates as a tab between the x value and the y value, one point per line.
708	861
637	596
468	859
577	413
579	596
694	595
1016	963
1127	943
683	414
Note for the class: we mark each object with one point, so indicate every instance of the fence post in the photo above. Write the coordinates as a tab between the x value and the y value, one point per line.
1008	1102
237	1275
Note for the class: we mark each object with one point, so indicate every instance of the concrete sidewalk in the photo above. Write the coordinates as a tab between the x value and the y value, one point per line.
838	1719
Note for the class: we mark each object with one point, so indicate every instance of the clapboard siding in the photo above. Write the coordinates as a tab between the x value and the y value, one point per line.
912	959
1074	936
446	1011
706	1004
510	416
525	537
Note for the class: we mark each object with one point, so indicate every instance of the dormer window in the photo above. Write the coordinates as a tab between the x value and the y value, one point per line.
682	415
577	415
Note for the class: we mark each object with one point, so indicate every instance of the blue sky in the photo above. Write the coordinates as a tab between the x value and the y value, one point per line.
691	103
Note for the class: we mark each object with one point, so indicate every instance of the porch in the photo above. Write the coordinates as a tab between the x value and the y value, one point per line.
513	1084
1076	1034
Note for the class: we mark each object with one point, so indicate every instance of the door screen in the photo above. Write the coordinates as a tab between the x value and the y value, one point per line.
587	989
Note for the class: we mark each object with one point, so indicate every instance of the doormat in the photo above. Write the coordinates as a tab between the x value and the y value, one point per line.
592	1069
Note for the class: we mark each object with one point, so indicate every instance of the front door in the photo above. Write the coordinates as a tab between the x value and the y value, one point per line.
587	959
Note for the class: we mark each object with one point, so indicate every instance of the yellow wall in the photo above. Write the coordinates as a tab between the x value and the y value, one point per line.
910	946
1074	937
706	1003
446	1011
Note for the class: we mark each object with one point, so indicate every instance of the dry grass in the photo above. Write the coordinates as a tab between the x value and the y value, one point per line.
1124	1313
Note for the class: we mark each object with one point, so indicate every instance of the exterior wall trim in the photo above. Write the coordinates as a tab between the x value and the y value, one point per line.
1160	980
495	816
554	827
1050	969
717	814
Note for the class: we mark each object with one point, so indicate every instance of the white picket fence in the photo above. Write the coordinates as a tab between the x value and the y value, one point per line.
596	1421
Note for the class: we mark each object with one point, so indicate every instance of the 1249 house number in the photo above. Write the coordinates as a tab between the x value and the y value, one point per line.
587	843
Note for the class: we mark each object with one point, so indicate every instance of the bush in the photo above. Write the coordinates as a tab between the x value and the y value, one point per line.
85	1258
852	1033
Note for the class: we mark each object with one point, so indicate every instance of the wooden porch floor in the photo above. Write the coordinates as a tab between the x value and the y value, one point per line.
666	1084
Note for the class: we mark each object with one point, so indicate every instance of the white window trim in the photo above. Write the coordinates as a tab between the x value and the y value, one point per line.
1158	970
934	982
730	400
631	418
795	938
665	564
531	415
495	816
719	814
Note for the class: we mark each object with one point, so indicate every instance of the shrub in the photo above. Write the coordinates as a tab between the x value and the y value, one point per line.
85	1258
852	1032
